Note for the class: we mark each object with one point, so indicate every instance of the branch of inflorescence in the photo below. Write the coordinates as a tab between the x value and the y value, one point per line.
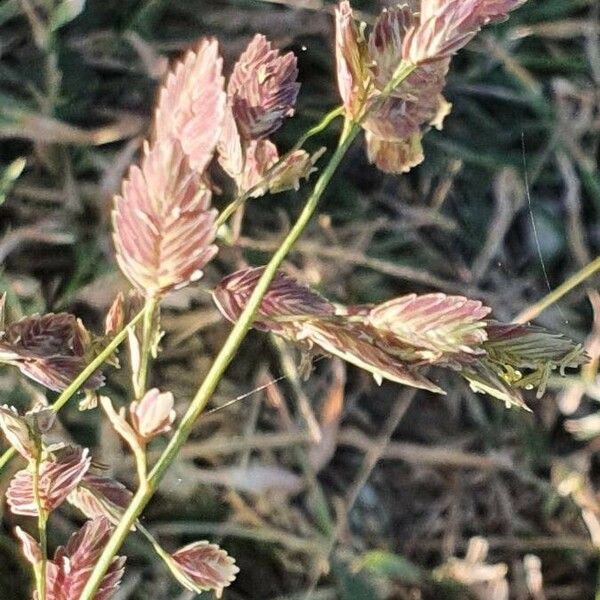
229	350
80	380
318	128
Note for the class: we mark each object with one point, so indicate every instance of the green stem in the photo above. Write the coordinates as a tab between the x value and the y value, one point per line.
213	377
42	524
226	354
318	128
148	333
78	382
40	568
244	323
531	312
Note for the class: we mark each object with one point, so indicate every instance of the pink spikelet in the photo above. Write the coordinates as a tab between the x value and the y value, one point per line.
115	317
58	477
302	316
424	34
72	565
51	349
444	324
202	566
153	414
17	432
446	26
262	89
98	496
284	298
163	225
261	92
191	104
396	339
31	549
351	61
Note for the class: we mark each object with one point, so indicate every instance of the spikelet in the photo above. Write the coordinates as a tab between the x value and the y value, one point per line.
201	566
58	477
68	572
396	339
191	104
51	349
426	38
262	89
261	92
163	225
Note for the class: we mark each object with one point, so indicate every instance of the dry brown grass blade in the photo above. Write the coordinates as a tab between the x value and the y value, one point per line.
321	453
47	130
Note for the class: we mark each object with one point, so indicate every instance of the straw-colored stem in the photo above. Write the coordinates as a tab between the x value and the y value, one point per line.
533	311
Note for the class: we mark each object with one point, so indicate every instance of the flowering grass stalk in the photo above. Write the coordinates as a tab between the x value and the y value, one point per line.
165	231
217	369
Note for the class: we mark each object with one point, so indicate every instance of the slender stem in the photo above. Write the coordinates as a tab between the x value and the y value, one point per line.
531	312
150	538
226	354
331	116
148	333
6	457
141	464
245	321
40	568
78	382
318	128
214	375
42	526
154	542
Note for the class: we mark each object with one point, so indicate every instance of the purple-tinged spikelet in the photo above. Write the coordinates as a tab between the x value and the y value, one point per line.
72	565
98	496
262	89
201	566
352	61
394	340
51	349
424	35
261	92
300	315
284	298
58	477
17	432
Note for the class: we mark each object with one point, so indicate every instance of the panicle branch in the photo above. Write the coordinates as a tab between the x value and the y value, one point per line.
426	37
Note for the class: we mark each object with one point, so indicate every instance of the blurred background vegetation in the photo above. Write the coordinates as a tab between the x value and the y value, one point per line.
333	487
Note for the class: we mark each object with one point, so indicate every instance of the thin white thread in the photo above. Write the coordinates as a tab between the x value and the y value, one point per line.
533	223
260	388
